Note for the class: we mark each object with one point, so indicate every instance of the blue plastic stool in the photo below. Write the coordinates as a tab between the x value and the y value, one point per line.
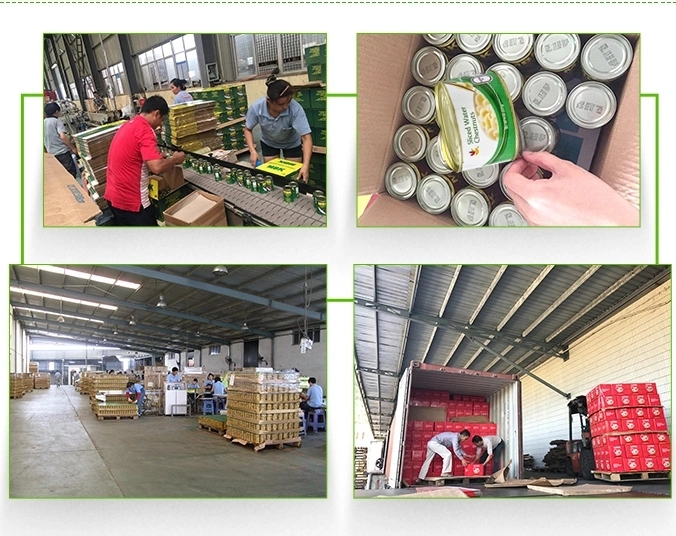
303	424
207	406
316	419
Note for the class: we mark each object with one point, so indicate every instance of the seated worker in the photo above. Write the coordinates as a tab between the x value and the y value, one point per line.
439	445
314	397
194	384
173	377
492	447
136	393
209	385
193	387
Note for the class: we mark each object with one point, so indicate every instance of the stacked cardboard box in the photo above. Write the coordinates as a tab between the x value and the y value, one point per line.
468	412
263	406
192	126
33	367
197	209
42	380
27	379
231	101
108	382
16	389
315	60
629	428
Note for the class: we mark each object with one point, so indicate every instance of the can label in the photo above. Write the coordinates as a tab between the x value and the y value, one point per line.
486	130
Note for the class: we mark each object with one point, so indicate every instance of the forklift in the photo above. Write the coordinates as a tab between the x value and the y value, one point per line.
579	454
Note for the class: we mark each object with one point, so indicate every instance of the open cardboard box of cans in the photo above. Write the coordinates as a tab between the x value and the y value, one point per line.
397	131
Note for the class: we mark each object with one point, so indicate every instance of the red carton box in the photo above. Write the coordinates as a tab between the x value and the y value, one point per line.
650	464
656	412
629	425
634	451
640	399
611	441
649	451
418	435
662	437
616	465
664	464
617	451
654	400
637	388
664	450
660	424
632	464
644	438
641	413
450	413
625	400
474	469
624	413
650	388
621	388
492	428
428	426
417	455
646	424
417	425
440	426
629	438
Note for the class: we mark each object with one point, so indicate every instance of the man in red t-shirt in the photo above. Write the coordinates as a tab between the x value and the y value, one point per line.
132	157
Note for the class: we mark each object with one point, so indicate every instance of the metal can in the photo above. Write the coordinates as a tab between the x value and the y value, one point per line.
482	177
501	180
591	105
187	162
320	204
557	52
314	196
418	105
606	57
463	65
240	177
247	181
253	184
218	173
470	207
515	49
435	158
410	142
544	94
294	187
401	180
538	134
445	41
209	168
477	120
511	76
269	183
288	194
434	194
475	44
428	66
506	215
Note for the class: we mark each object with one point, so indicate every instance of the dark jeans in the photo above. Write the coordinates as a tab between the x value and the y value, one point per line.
296	152
306	408
67	161
497	454
145	217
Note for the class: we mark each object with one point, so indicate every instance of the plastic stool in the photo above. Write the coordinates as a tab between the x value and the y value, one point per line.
316	419
207	406
303	424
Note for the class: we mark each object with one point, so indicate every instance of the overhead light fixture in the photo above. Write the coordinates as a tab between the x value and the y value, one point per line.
60	319
62	298
245	327
219	270
132	322
115	332
61	315
84	275
162	304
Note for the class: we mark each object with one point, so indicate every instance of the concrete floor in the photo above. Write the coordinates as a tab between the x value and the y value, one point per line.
58	448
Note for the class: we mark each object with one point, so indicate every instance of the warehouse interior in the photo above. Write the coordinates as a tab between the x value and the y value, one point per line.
100	324
555	332
101	80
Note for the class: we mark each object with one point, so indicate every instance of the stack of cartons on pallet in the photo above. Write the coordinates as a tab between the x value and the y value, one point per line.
230	110
15	386
192	126
27	379
629	428
42	380
153	382
263	407
33	367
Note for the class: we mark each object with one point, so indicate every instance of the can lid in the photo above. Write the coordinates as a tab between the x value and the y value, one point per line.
470	208
544	93
482	177
557	52
434	194
463	65
606	57
538	134
506	215
401	180
435	158
511	76
473	43
437	39
428	65
501	181
591	105
418	105
512	47
410	143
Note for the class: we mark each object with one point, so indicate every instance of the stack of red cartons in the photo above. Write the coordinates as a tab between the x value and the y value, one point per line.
628	427
418	433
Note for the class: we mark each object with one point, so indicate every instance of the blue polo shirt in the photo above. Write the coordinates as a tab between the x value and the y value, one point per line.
283	131
182	96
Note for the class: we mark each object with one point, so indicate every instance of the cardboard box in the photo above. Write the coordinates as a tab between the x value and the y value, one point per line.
66	203
284	168
379	115
317	72
632	465
474	469
634	451
315	54
198	209
167	182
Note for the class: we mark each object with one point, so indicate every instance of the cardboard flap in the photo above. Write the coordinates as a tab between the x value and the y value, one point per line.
66	203
379	102
386	211
617	159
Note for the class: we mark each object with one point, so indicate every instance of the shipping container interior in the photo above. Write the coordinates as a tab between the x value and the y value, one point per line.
429	399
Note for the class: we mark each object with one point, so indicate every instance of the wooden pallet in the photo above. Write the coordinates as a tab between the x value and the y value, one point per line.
628	477
15	396
279	443
441	480
47	387
115	417
211	429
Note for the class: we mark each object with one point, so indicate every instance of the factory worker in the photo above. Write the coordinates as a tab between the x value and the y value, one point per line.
439	445
136	393
489	448
173	376
177	87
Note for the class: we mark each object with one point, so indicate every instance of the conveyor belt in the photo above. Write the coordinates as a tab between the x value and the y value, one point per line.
269	207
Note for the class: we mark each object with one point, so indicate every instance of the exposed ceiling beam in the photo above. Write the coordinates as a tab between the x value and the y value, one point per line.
447	296
136	306
78	338
218	289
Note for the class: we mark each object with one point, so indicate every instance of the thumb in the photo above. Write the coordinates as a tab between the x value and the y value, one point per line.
546	161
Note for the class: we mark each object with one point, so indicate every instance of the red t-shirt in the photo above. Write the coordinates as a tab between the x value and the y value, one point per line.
127	174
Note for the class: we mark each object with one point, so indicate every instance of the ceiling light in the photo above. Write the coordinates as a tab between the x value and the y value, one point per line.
132	322
60	319
162	304
61	315
115	332
84	275
62	298
219	270
245	327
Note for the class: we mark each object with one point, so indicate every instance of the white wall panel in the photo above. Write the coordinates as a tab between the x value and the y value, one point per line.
632	346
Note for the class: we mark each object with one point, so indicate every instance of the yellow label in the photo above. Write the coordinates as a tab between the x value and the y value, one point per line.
281	167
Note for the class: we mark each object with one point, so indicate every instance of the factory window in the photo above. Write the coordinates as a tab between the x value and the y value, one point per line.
89	87
112	80
262	53
314	334
73	91
215	349
174	59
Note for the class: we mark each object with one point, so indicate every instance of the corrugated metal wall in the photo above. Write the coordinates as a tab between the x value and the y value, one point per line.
111	46
143	42
632	346
504	411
